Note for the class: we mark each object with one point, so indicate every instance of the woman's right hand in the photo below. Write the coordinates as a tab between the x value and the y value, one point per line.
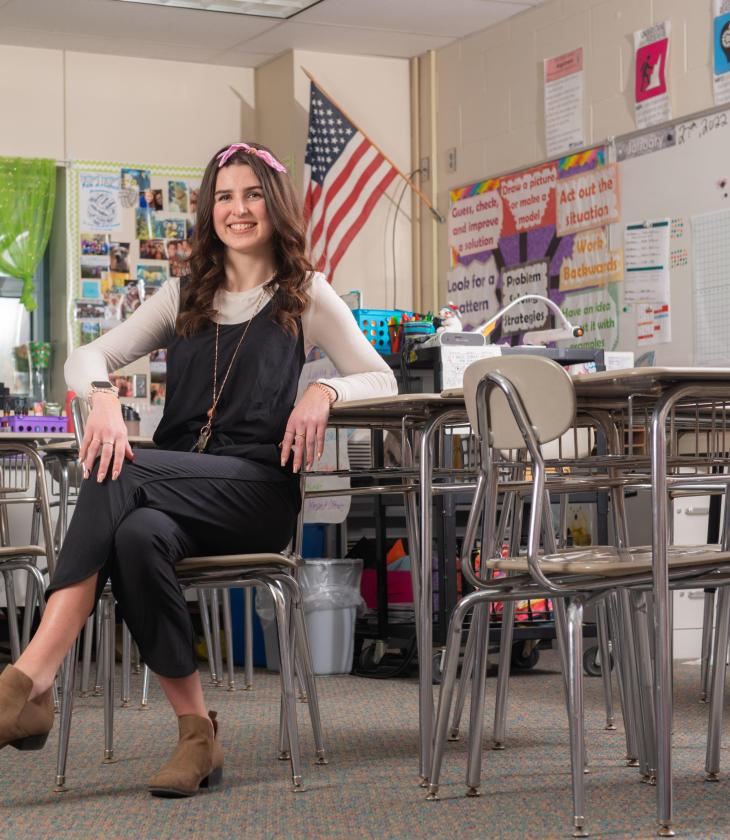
105	434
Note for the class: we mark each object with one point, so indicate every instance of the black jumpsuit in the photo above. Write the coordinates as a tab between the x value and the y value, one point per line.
170	503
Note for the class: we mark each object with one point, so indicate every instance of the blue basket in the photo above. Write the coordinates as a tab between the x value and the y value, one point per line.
374	325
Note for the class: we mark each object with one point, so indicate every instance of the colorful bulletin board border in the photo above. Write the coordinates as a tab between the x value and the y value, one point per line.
99	216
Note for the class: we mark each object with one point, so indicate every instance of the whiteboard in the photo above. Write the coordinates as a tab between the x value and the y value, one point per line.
676	171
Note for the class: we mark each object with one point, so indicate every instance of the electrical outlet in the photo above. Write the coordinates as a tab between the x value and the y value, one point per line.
451	159
425	168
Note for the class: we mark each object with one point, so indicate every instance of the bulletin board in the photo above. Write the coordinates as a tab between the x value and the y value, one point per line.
540	230
129	228
680	172
673	178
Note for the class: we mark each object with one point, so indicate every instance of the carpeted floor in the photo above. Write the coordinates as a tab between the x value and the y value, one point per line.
369	789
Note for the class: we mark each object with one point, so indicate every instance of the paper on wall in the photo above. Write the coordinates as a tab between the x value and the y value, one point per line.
653	324
564	102
721	50
651	53
646	261
99	201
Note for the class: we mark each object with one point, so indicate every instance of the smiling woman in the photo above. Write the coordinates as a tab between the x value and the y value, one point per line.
222	479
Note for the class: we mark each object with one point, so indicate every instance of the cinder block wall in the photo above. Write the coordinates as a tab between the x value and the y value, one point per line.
489	88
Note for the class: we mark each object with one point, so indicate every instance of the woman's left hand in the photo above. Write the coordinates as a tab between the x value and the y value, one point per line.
306	427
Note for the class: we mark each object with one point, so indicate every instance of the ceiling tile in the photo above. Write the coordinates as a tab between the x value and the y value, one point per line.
435	17
108	46
240	58
109	18
343	39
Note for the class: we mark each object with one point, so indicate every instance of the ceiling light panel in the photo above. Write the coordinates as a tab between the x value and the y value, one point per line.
260	8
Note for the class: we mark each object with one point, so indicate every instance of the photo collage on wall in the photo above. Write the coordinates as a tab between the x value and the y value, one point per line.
134	227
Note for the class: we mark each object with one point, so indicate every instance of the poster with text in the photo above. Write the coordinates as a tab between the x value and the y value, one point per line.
721	50
564	102
99	207
651	94
505	242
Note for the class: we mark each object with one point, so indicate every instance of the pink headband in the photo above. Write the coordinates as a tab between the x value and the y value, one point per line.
265	156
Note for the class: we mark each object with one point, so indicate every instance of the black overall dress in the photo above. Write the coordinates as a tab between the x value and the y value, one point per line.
171	503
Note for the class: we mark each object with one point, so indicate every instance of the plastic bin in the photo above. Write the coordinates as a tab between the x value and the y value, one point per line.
331	596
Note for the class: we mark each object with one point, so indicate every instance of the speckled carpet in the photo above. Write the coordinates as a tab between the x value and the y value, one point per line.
369	788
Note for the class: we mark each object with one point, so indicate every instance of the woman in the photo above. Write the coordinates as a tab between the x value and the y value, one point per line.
223	478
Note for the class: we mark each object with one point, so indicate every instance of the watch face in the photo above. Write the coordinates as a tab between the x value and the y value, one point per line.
102	385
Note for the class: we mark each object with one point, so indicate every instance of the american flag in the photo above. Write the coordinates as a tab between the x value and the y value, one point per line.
347	175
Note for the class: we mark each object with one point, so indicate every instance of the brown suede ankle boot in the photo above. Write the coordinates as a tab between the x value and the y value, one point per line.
197	761
24	723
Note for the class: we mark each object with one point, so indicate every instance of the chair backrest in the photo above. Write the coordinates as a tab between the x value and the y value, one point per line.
544	388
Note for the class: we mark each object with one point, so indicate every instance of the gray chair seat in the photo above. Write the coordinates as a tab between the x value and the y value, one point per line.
226	561
607	561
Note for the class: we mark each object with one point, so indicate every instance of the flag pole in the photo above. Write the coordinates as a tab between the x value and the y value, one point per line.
402	174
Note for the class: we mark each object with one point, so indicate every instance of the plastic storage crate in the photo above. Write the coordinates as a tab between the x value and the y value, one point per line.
374	325
33	423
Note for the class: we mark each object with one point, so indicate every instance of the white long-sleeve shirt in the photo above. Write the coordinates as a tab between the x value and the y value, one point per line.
327	323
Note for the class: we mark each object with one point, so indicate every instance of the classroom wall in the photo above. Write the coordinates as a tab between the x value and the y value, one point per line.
375	92
489	86
72	106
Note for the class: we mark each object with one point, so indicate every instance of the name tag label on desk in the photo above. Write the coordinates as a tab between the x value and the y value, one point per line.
455	360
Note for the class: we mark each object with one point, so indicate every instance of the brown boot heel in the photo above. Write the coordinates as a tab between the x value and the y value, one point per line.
32	742
213	779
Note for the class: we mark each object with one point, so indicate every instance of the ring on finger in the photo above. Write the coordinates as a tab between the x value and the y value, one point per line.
107	443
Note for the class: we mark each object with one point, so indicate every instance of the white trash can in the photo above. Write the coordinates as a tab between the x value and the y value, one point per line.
331	596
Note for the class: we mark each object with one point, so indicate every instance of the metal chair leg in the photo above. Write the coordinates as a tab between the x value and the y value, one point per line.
207	634
109	657
248	638
620	660
12	612
717	692
145	687
708	620
126	665
99	649
86	655
505	660
575	690
287	683
631	683
302	642
467	664
64	723
28	611
228	631
448	681
215	629
645	673
476	709
604	646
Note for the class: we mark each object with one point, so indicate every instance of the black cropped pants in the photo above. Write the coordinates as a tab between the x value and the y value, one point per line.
163	507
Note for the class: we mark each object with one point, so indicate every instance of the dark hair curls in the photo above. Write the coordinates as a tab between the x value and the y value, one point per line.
293	269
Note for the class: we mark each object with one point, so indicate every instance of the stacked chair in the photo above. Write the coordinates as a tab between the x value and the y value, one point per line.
278	573
524	403
22	482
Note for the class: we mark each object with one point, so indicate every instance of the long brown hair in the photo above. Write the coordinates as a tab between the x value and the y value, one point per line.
293	269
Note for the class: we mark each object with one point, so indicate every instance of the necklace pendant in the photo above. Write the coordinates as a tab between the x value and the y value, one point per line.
203	438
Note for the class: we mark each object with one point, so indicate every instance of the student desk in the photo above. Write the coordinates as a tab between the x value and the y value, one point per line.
663	399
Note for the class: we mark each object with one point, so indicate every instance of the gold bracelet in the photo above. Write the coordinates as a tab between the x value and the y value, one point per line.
330	393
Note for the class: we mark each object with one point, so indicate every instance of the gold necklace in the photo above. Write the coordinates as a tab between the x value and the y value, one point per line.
206	430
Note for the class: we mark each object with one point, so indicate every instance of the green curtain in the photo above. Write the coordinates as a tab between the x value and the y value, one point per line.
27	193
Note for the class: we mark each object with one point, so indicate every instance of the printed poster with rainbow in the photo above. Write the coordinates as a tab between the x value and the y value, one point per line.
542	230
